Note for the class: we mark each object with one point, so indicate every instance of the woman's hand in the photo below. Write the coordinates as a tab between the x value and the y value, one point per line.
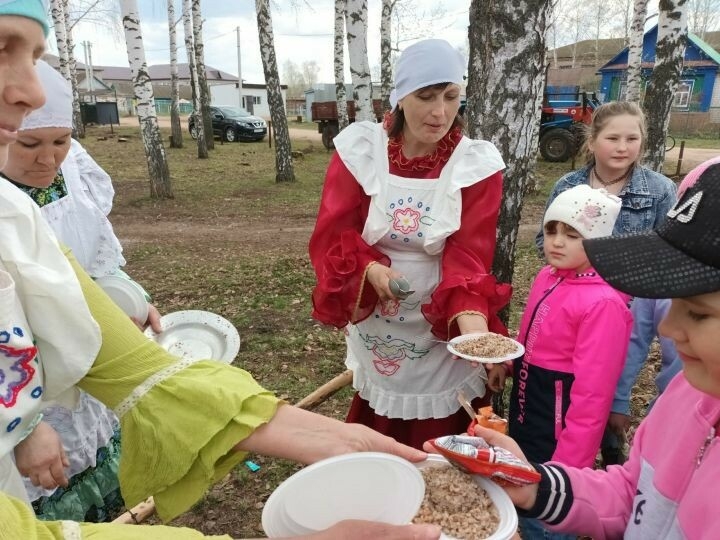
472	323
307	437
355	529
378	275
153	320
41	458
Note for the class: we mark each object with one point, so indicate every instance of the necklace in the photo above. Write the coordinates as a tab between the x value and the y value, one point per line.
609	182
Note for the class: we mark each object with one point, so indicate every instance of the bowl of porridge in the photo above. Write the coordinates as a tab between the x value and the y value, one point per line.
466	507
485	347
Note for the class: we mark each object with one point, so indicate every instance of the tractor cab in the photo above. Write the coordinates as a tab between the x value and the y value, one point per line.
563	122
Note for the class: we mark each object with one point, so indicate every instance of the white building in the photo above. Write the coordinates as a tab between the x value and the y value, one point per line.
255	98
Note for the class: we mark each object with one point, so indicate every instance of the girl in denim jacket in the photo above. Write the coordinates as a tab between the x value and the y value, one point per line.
613	148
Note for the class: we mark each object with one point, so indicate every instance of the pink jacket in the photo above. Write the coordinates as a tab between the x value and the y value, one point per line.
667	489
576	330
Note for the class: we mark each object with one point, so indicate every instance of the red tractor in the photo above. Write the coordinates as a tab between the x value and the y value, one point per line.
562	125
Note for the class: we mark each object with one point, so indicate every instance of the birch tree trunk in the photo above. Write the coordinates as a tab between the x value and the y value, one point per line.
669	53
284	171
57	12
78	126
176	138
505	90
160	187
386	75
635	49
359	66
198	123
203	91
339	60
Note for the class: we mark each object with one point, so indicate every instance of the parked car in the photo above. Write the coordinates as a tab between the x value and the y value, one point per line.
233	124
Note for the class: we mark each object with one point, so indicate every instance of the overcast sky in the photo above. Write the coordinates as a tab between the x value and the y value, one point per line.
300	35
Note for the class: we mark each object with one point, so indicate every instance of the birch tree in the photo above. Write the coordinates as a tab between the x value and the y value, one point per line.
176	138
356	27
339	62
386	73
669	53
284	171
635	49
198	124
203	90
160	187
78	126
703	16
505	90
57	13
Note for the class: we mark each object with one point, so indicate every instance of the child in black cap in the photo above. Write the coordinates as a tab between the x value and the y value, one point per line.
665	489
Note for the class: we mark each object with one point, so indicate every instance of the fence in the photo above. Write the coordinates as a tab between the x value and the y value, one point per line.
695	124
163	108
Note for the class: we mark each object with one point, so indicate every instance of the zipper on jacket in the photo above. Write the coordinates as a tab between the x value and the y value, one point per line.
537	306
704	447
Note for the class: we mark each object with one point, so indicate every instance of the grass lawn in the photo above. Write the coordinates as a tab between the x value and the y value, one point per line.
234	242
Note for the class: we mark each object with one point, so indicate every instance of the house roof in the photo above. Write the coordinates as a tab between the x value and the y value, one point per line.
607	48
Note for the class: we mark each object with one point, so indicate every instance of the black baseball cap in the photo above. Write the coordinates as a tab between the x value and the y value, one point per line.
679	258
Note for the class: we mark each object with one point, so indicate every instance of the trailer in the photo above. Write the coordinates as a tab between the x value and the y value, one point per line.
325	114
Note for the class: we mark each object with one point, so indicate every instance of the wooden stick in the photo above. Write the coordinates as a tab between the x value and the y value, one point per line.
137	514
317	396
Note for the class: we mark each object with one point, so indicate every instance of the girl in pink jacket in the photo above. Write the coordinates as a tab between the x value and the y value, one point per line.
667	487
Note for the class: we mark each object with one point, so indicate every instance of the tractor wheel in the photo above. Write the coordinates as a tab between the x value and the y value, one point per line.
328	134
557	145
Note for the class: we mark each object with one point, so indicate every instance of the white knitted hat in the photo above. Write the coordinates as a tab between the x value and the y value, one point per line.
591	212
427	62
58	109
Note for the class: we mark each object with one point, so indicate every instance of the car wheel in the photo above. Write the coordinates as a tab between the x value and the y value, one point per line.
230	135
557	145
328	134
193	132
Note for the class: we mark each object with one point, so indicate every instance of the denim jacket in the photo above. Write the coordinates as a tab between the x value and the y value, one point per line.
646	199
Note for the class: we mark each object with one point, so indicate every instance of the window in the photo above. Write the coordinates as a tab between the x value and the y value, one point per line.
683	94
256	100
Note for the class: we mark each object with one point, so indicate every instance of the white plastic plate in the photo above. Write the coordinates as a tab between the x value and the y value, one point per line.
127	294
496	360
366	485
200	335
506	510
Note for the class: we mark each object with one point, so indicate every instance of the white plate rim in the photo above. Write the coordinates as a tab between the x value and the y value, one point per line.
496	360
274	530
206	319
132	290
507	528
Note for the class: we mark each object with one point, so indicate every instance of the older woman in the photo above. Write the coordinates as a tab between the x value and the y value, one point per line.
185	424
415	198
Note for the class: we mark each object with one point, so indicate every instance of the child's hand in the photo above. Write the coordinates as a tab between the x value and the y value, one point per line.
497	373
41	458
619	423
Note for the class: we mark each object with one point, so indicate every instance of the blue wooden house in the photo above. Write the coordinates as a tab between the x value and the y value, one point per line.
698	92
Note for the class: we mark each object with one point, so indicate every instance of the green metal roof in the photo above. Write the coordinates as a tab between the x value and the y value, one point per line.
704	47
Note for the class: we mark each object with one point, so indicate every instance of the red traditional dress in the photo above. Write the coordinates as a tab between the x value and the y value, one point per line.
433	219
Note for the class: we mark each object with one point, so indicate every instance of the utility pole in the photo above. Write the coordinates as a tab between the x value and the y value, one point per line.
92	74
87	64
240	93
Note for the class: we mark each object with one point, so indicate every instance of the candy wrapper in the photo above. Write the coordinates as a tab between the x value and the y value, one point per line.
476	456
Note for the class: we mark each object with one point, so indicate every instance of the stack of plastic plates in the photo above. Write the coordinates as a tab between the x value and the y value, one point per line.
127	294
368	485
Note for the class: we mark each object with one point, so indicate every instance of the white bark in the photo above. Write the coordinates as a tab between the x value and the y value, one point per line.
57	12
359	66
197	107
176	139
152	140
386	73
505	91
635	47
669	53
284	171
203	91
339	61
78	126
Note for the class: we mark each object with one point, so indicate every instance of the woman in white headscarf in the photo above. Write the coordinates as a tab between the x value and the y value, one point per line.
416	194
74	195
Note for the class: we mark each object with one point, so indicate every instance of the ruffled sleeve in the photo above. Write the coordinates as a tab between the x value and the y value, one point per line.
466	283
338	252
95	181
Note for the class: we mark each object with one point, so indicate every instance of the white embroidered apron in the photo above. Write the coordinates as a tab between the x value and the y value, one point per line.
400	374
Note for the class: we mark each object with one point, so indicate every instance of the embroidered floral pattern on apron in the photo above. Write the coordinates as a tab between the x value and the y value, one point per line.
389	354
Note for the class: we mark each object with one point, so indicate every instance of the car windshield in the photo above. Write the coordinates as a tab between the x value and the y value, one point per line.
234	112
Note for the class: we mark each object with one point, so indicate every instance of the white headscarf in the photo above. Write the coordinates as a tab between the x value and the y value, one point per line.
427	62
58	109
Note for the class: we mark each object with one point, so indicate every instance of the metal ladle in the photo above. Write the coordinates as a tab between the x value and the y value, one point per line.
400	287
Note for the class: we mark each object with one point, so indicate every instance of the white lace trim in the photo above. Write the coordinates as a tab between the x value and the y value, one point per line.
71	530
143	388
